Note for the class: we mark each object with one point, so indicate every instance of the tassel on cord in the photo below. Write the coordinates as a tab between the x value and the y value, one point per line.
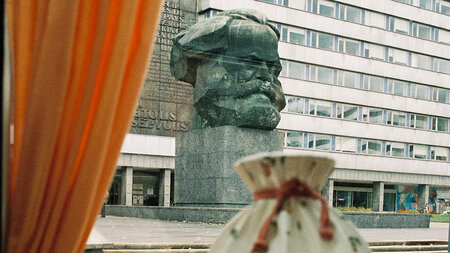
291	188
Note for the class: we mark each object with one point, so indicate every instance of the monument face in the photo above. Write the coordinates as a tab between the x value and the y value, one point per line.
233	63
165	106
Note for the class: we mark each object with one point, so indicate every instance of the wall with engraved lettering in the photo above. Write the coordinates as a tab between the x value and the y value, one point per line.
165	107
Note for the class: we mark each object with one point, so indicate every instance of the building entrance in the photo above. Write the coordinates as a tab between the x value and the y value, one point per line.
145	188
114	192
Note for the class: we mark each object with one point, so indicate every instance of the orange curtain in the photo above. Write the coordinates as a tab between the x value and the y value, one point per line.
77	69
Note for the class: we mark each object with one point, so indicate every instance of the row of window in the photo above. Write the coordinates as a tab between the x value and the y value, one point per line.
322	108
439	6
358	48
309	72
333	143
371	18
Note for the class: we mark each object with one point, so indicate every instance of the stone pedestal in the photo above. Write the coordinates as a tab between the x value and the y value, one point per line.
204	172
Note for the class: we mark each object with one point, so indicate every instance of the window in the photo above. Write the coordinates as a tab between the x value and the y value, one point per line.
346	144
296	70
353	14
442	125
439	124
443	95
373	83
349	46
295	104
442	36
349	112
348	79
398	56
395	149
398	88
426	4
421	61
311	141
439	153
320	108
421	121
396	118
322	40
294	139
270	1
323	108
350	13
444	7
433	123
376	19
373	51
375	116
398	25
420	91
418	121
321	74
298	4
284	67
442	66
319	141
323	7
365	114
312	106
371	147
293	35
324	75
422	31
417	151
297	36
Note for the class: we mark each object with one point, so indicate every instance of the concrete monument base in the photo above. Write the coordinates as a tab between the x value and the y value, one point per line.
205	175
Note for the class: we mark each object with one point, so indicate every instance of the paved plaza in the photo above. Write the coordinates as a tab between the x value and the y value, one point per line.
133	230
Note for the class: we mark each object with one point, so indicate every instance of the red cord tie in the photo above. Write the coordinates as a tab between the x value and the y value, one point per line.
291	188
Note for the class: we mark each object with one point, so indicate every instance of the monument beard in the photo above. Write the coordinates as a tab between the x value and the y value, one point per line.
165	106
232	61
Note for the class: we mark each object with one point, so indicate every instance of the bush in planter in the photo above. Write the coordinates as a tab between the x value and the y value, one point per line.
354	209
409	211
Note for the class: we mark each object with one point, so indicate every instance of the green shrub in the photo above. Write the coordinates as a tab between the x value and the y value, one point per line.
354	209
408	211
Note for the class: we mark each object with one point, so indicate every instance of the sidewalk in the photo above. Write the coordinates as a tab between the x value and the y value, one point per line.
133	230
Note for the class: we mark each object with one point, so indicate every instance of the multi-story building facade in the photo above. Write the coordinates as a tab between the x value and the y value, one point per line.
367	83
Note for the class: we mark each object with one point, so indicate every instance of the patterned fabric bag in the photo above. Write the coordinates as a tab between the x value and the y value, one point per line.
289	214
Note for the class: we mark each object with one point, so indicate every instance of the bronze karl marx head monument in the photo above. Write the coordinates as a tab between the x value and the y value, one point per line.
232	61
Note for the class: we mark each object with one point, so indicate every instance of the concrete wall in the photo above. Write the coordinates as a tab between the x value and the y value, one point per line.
223	215
191	214
389	220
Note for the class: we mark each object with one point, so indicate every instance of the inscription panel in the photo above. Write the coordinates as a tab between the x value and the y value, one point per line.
165	106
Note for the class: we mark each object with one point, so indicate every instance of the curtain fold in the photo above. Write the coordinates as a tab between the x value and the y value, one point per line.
78	66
